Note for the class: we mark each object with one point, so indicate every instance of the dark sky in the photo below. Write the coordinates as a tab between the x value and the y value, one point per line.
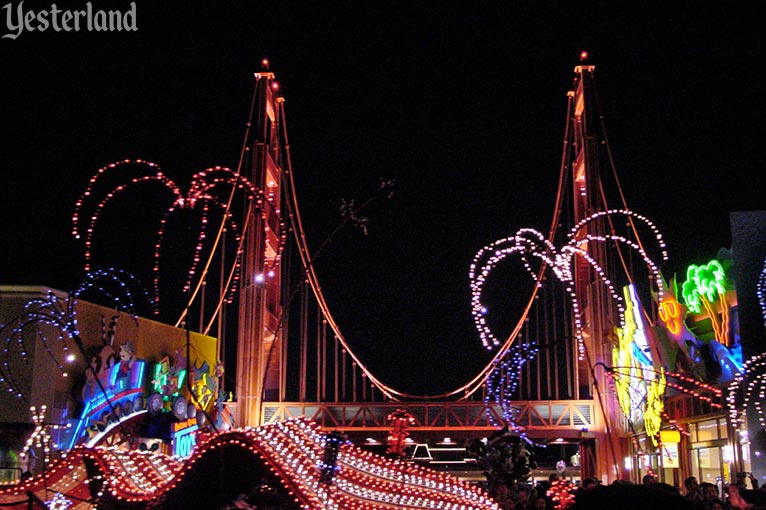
462	106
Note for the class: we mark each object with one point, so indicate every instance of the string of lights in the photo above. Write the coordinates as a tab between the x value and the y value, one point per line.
60	313
293	449
207	191
529	242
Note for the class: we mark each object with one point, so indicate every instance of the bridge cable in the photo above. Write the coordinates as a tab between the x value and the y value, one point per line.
225	215
308	265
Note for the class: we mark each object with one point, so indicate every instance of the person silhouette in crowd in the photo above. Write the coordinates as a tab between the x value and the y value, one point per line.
524	498
502	496
693	490
734	499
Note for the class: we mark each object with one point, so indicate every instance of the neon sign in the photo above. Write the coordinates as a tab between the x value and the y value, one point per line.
669	313
120	391
167	381
703	283
640	387
704	286
184	437
203	386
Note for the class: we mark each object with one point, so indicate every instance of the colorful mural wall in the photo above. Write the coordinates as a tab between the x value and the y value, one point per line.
143	368
102	373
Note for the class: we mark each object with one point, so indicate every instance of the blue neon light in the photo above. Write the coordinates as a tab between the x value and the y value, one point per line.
117	392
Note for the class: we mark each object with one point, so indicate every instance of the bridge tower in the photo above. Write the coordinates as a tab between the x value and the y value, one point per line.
604	450
260	335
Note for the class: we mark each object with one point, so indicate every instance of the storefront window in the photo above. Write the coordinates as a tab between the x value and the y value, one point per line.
722	430
707	464
709	455
708	431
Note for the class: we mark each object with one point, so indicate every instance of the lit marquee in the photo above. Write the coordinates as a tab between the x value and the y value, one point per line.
184	437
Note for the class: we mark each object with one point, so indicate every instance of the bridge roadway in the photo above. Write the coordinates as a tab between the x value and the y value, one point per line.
566	419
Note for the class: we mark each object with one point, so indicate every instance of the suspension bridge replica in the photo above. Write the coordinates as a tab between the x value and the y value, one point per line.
547	378
579	353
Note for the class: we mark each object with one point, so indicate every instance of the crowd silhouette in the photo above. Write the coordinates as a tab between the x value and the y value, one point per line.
650	494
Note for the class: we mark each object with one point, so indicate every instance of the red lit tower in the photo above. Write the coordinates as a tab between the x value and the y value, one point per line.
604	449
260	336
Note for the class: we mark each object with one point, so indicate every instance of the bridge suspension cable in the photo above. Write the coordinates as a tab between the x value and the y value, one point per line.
221	229
474	384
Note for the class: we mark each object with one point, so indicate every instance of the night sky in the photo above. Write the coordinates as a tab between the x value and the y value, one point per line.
462	106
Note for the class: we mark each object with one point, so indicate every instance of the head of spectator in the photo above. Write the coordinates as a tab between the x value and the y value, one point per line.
524	494
540	503
734	499
499	490
709	491
590	483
